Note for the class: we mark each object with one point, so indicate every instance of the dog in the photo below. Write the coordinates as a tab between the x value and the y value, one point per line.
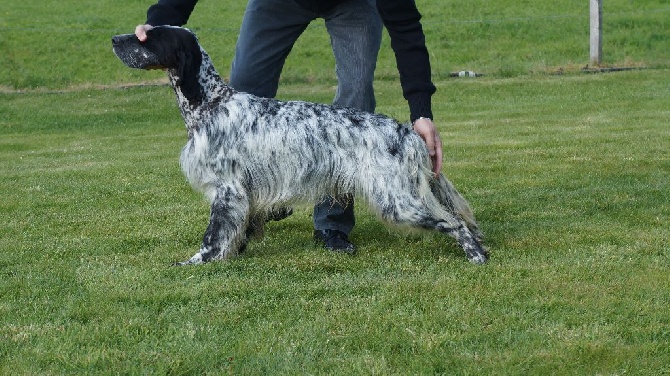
252	156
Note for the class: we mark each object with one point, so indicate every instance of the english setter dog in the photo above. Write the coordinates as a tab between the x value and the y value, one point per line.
250	155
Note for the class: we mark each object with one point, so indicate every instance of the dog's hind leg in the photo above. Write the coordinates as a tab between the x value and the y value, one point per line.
474	251
410	210
228	223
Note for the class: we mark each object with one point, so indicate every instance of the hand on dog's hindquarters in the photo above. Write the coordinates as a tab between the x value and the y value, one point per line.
426	129
141	32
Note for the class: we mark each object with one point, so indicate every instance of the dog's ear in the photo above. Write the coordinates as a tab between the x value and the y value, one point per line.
187	65
188	70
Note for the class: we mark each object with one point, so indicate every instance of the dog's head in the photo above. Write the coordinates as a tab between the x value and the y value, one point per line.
174	49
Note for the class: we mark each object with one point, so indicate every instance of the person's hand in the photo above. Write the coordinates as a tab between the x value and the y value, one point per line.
426	129
141	32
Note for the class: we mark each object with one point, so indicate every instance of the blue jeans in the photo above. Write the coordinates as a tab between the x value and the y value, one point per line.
269	30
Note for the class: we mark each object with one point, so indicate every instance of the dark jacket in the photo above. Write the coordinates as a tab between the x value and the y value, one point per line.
401	19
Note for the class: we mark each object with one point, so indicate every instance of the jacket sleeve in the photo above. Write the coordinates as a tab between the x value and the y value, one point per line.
170	12
402	20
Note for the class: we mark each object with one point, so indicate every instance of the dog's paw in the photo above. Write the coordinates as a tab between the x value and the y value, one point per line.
195	260
478	259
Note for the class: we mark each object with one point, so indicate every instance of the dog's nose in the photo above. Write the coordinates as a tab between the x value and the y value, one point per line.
116	39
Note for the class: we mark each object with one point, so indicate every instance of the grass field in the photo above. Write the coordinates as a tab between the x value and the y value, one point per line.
568	175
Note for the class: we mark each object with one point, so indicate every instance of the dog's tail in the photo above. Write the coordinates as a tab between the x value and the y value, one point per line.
453	202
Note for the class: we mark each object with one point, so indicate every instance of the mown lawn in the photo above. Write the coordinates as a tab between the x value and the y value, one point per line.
567	174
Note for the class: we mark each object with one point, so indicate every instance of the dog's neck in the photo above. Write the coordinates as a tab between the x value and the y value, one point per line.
212	91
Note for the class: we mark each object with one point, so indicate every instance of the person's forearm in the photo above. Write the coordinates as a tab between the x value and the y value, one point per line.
170	12
401	19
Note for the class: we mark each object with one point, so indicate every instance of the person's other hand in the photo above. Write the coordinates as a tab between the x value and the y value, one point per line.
141	32
426	129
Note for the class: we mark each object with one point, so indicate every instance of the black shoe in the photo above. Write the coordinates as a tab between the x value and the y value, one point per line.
334	240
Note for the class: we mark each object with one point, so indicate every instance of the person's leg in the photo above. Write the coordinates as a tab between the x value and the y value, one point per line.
355	30
269	30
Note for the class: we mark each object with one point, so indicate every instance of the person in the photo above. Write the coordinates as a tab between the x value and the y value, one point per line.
268	32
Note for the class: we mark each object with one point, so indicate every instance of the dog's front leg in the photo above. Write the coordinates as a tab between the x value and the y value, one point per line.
227	224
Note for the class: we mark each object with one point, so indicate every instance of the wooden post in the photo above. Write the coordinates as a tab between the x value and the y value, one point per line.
596	31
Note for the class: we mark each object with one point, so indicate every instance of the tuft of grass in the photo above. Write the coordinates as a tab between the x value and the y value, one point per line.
567	175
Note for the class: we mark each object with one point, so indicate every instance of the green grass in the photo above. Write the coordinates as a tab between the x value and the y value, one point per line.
568	175
67	43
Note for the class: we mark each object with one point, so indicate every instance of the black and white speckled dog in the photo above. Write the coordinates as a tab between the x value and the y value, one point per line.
249	155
